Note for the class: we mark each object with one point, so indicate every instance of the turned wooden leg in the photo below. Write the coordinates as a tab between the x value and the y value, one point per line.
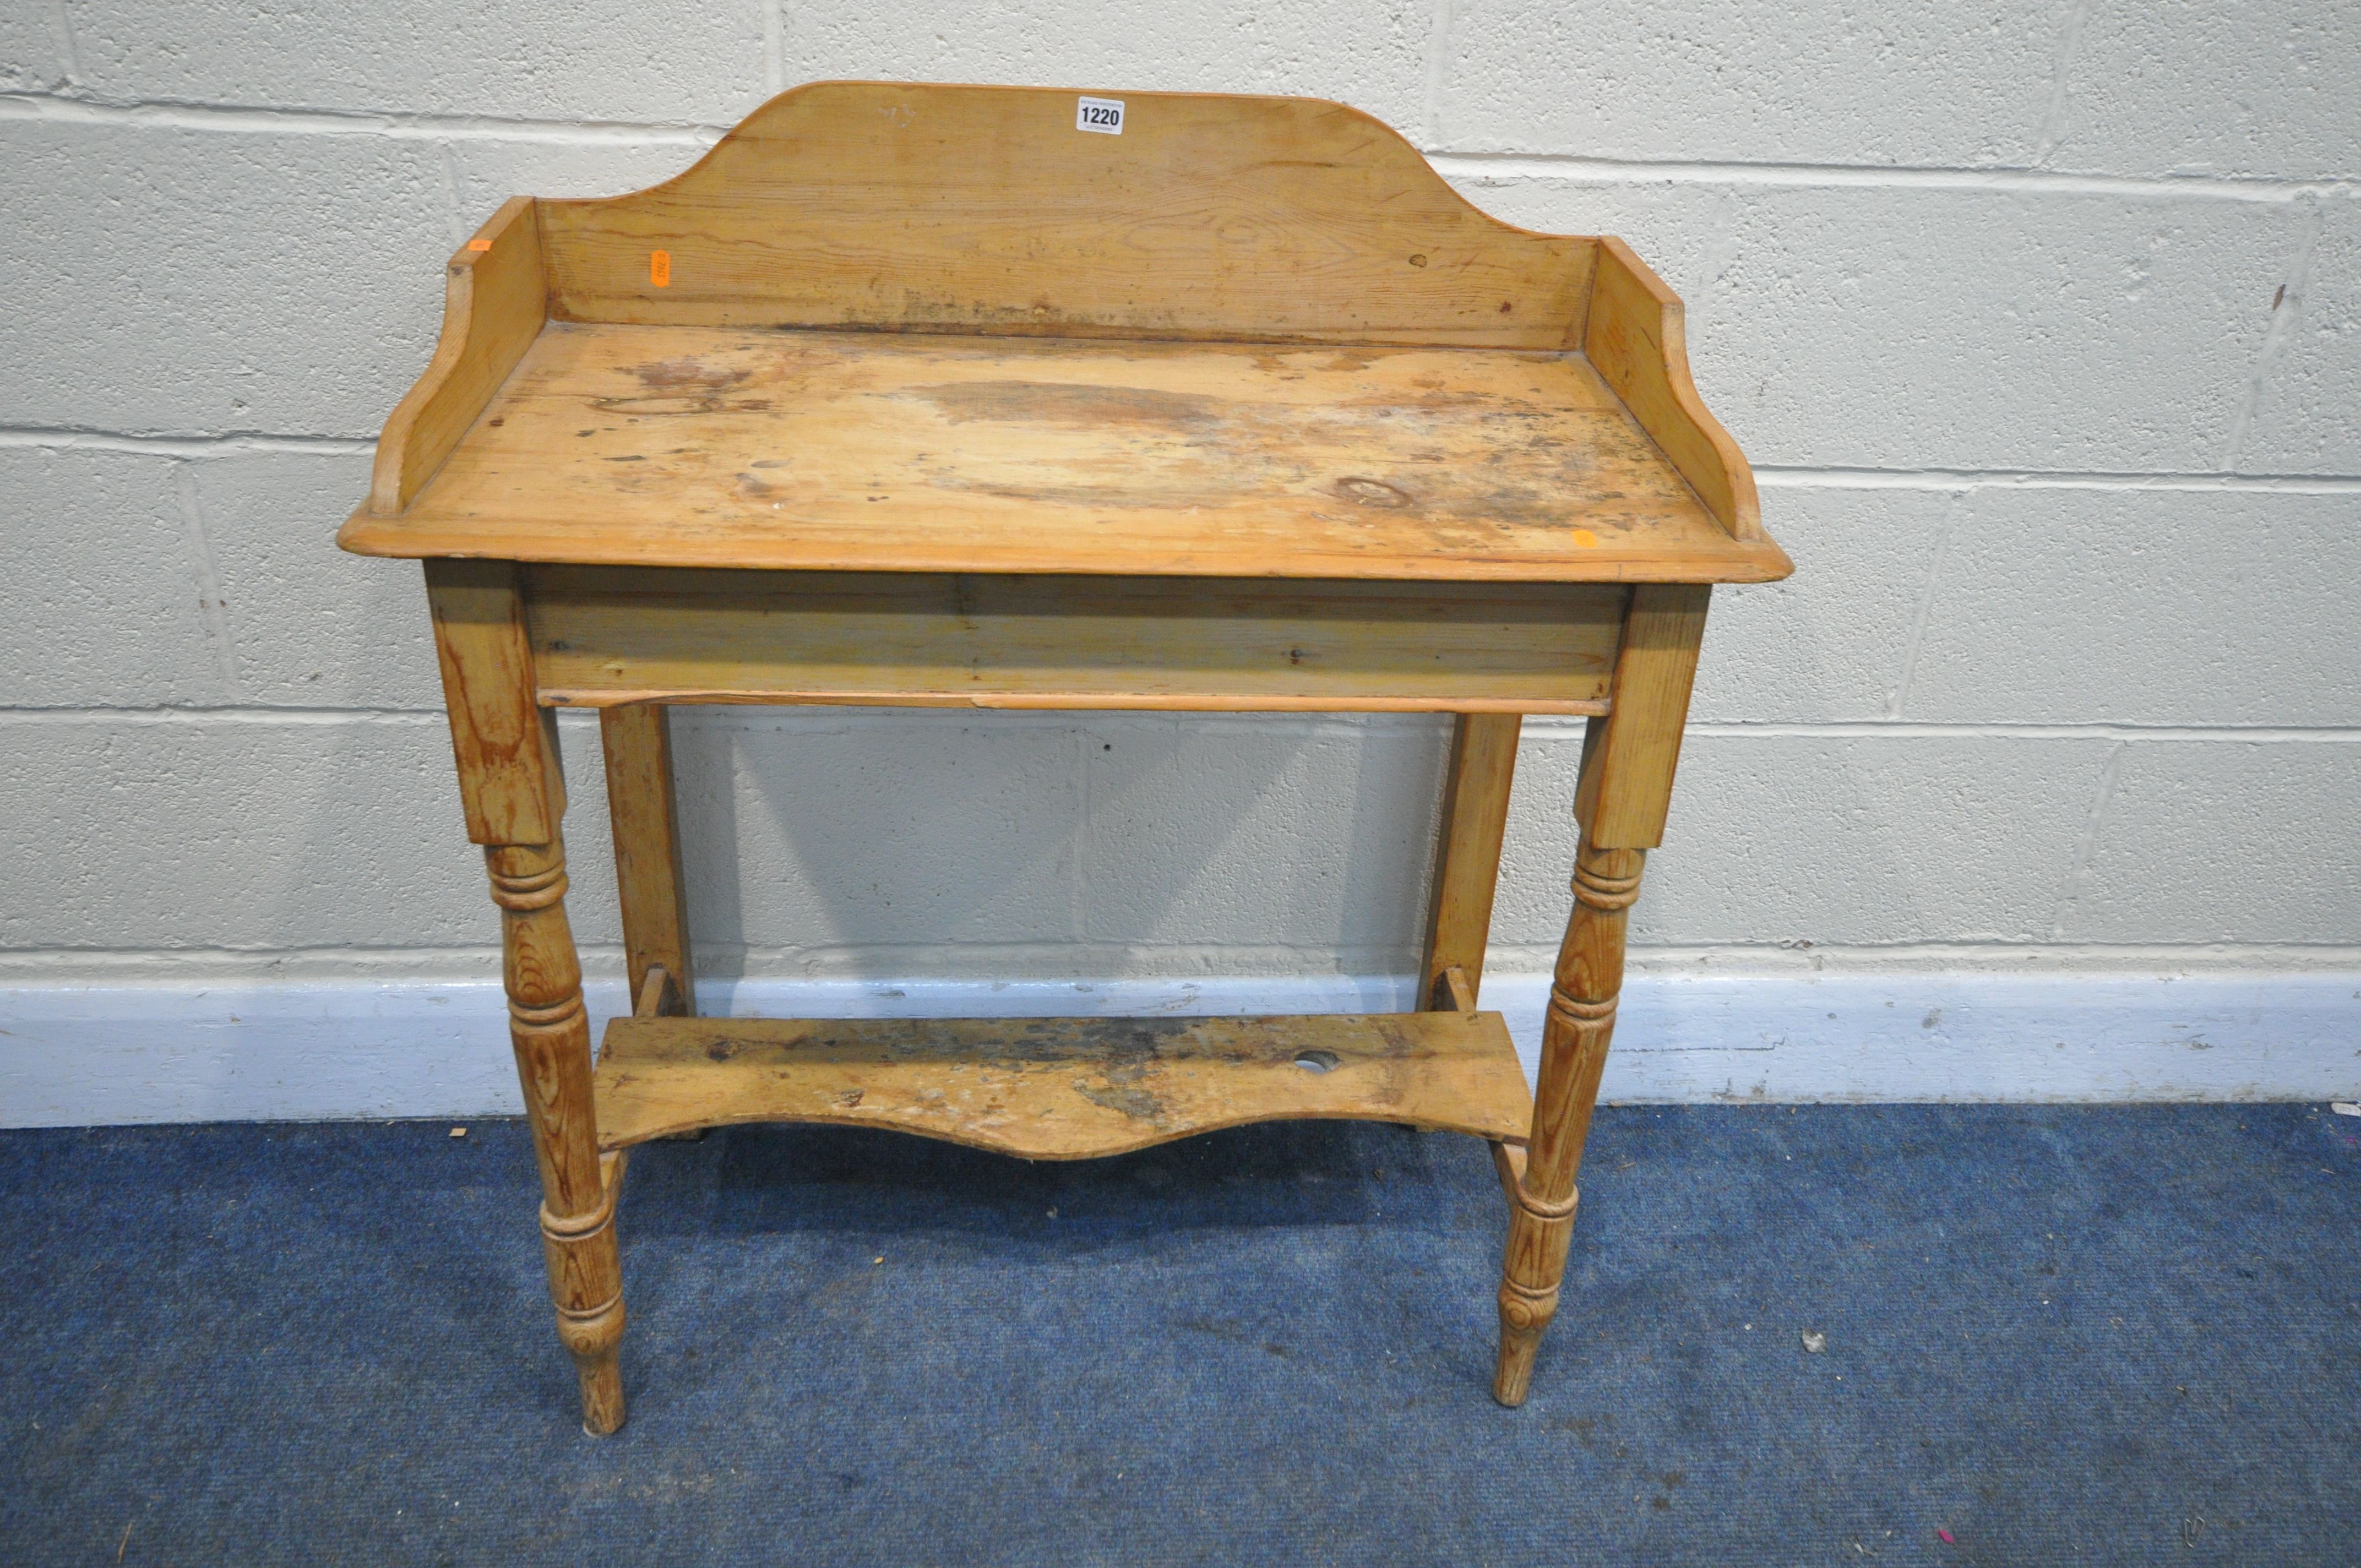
1574	1035
637	741
552	1035
514	794
1627	758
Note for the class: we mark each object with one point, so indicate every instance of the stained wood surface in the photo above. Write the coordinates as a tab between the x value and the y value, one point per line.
695	446
1248	336
1467	859
603	635
637	742
1576	1032
913	394
1455	992
1637	339
1508	1164
494	302
510	783
551	1035
1629	757
1060	1088
655	991
883	204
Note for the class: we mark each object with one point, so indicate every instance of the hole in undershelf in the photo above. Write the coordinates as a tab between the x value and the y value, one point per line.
1316	1061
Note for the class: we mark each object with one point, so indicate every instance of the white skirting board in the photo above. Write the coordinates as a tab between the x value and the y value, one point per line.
73	1056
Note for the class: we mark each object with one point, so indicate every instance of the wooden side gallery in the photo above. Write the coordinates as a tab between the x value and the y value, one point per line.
910	395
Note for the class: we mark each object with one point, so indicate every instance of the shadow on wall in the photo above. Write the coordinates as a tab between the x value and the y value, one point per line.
892	844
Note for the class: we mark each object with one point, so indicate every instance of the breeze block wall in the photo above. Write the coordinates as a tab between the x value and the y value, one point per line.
2041	322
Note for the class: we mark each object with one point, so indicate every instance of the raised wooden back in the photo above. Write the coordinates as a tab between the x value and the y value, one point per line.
967	209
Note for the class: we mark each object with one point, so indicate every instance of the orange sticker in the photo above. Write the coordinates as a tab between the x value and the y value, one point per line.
480	244
1584	538
660	268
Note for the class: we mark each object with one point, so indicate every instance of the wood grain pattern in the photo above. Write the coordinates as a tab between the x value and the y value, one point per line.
1620	799
1628	759
916	395
602	635
1060	1088
511	784
1620	802
1468	859
637	742
1575	1033
493	307
1637	339
883	204
514	792
866	452
1508	1165
550	1033
654	997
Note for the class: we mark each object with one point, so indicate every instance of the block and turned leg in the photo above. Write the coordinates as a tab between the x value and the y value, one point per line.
514	795
1628	759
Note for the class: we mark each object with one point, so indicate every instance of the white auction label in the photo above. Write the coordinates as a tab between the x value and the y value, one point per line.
1102	115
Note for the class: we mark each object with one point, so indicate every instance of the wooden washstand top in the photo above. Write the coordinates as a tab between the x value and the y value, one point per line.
941	329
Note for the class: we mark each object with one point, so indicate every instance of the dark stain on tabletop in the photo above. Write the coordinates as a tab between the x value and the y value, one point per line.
1055	402
679	387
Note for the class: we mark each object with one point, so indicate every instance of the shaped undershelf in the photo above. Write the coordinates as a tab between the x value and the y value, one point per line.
1060	1088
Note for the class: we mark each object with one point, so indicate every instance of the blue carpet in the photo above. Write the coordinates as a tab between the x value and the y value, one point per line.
2062	1336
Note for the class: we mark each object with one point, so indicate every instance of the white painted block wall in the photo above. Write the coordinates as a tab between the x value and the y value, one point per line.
2042	323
